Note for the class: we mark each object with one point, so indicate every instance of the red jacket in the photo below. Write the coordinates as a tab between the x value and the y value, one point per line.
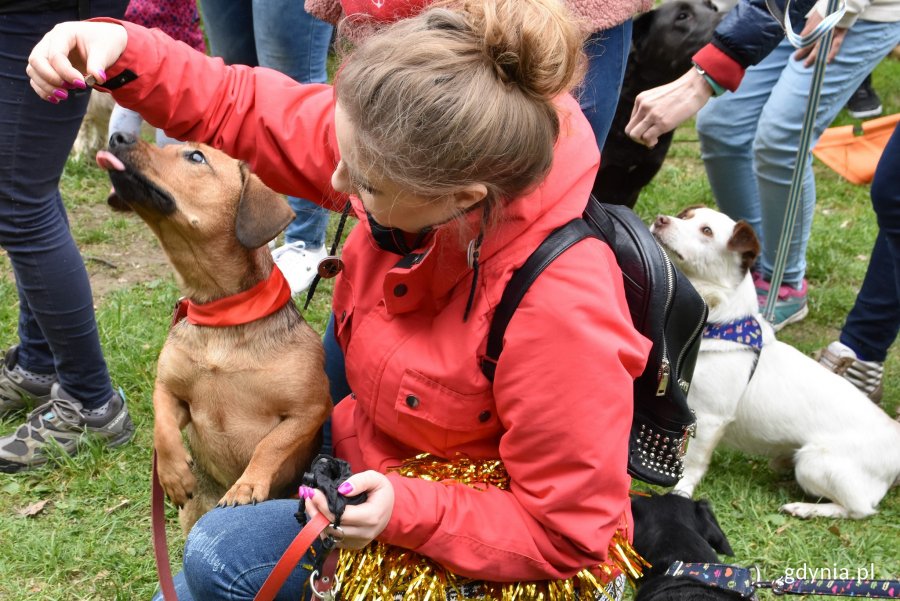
560	409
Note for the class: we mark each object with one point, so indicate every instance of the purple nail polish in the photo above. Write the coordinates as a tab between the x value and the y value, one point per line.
53	99
102	74
79	84
345	488
61	94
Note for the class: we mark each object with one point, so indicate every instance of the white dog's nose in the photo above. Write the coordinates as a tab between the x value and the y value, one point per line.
661	221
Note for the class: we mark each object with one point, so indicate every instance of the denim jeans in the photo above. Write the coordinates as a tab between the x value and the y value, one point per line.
57	326
874	321
230	552
749	139
607	53
281	35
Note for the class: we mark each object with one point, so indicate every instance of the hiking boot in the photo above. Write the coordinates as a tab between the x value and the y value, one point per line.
63	422
865	375
299	264
865	102
20	388
790	306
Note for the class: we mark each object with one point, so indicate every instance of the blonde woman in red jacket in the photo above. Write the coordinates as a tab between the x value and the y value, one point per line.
454	138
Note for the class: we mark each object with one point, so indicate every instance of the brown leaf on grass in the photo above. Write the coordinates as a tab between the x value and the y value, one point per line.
834	530
33	509
782	528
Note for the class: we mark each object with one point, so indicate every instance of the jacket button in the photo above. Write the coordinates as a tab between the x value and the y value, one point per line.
484	416
412	401
400	290
343	316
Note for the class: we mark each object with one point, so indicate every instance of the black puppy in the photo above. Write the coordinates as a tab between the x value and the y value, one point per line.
662	44
670	528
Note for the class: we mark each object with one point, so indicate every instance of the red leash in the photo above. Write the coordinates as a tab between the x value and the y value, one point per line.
292	555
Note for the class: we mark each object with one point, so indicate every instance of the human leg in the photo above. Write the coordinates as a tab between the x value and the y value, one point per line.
778	134
57	327
229	28
726	127
295	43
874	321
230	552
607	53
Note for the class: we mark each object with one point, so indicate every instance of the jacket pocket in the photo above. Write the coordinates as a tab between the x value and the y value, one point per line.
443	417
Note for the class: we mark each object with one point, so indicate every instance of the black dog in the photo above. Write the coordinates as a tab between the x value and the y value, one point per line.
670	528
662	44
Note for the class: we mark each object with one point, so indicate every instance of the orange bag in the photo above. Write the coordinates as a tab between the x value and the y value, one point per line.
854	154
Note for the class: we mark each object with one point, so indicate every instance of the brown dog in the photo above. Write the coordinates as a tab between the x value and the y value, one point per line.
251	397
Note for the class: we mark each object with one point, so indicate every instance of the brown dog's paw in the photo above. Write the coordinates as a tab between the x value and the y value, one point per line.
177	480
244	492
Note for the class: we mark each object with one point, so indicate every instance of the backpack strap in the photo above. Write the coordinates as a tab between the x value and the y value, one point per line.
554	245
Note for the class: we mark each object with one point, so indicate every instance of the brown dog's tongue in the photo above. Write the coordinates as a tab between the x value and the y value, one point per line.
109	161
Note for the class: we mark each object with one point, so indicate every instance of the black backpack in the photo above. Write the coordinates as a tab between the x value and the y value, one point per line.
664	307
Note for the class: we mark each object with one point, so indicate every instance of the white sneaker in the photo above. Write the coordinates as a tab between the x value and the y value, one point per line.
299	264
865	375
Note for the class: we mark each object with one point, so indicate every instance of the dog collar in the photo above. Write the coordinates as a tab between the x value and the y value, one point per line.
743	331
262	300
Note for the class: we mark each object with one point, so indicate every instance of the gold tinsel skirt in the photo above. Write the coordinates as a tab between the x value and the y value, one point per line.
384	572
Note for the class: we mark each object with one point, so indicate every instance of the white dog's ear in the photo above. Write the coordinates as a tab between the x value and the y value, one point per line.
744	241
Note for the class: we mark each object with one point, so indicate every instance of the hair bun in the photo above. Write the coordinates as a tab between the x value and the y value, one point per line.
535	44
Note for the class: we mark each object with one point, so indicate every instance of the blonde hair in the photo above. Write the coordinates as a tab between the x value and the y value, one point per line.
463	93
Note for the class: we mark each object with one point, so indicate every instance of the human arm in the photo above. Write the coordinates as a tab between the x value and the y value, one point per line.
283	129
744	37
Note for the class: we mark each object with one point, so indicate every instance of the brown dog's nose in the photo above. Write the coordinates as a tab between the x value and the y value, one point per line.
121	139
661	221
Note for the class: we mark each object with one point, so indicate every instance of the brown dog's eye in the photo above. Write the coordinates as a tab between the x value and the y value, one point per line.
195	156
707	231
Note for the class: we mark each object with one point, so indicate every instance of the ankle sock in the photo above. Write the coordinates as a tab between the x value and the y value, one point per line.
44	380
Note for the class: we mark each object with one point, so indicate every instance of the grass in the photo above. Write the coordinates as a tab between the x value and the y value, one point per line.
91	540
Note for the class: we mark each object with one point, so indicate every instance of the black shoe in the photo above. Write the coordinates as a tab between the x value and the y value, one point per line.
865	102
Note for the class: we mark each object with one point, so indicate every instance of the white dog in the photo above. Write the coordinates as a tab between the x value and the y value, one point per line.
765	397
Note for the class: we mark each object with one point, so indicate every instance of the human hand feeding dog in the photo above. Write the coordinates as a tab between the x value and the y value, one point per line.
243	374
785	406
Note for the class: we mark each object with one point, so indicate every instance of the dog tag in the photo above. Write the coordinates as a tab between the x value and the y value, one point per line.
330	267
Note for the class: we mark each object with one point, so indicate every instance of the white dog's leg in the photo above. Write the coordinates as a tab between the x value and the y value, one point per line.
710	429
828	474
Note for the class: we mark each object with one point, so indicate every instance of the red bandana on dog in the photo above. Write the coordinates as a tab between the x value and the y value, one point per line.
260	301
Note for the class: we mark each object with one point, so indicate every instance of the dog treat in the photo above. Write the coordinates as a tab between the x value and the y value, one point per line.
90	81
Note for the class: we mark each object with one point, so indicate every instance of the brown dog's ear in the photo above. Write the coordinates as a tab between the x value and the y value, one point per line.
687	211
743	240
261	212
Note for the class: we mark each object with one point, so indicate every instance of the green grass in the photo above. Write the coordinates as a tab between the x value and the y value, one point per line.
92	539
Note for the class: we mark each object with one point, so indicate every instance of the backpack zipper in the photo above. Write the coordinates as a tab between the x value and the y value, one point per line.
664	365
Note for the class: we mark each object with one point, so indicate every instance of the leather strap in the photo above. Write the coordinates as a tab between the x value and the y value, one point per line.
292	555
160	546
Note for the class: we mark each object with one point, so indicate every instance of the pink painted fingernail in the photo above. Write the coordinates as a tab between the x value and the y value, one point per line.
79	84
102	74
53	99
345	488
61	94
306	492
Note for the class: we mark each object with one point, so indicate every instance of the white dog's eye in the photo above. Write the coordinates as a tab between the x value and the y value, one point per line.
707	231
196	156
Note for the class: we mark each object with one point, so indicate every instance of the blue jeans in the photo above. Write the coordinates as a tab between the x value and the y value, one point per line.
749	139
281	35
607	53
57	325
230	552
874	321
